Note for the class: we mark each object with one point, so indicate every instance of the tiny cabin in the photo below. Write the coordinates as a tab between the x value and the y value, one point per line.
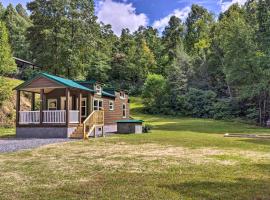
69	109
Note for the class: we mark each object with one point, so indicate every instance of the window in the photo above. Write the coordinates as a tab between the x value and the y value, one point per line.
124	110
122	95
52	104
98	89
111	105
63	103
98	104
84	107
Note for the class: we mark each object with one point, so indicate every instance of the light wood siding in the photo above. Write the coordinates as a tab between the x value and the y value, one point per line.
117	114
42	82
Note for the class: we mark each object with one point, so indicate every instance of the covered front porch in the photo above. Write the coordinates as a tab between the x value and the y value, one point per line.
55	106
59	108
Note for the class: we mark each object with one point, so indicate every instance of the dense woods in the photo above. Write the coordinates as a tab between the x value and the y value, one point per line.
205	66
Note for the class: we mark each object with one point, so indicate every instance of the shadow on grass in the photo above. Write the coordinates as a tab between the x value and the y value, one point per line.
261	141
8	136
239	189
214	127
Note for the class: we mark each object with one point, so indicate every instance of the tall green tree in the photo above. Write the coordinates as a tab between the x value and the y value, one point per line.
243	65
172	39
17	26
198	42
7	63
63	35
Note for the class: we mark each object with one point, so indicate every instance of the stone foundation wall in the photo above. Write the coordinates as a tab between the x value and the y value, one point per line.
42	132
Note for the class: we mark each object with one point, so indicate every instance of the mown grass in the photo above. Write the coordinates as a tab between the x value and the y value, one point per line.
181	158
7	132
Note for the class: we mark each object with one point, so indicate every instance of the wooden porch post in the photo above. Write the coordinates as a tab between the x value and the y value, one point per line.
18	106
42	102
67	106
33	101
79	107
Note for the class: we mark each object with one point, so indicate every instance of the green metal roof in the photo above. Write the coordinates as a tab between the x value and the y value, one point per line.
67	82
92	81
62	81
107	94
130	121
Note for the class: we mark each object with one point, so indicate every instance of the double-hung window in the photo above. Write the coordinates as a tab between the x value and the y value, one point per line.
98	89
111	105
84	107
124	110
122	95
98	104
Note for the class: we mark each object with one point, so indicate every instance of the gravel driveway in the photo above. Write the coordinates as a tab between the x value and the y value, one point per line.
11	145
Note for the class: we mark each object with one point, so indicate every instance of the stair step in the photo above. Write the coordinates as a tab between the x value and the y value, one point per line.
76	136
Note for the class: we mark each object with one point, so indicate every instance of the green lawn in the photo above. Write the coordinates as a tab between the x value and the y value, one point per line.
181	158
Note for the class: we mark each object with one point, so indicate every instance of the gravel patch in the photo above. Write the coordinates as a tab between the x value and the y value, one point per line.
12	145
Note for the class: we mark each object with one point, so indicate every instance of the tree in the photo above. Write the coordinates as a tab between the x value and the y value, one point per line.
198	23
153	90
243	63
2	10
63	35
172	39
198	42
22	12
153	42
17	26
7	63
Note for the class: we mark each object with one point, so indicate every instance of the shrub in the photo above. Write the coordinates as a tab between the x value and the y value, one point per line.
223	109
147	128
199	103
153	90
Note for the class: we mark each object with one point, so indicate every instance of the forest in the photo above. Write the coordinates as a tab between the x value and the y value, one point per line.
206	66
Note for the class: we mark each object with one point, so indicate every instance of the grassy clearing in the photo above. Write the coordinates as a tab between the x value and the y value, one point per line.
181	159
7	132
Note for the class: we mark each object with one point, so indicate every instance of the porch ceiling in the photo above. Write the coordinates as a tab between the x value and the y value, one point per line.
37	90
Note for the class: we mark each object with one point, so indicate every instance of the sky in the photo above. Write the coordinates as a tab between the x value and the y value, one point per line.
134	13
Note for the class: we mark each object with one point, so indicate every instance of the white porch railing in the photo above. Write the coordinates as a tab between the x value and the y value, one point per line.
73	116
29	117
49	117
54	116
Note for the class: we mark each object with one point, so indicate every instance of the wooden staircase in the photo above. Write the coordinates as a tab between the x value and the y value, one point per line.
96	118
78	133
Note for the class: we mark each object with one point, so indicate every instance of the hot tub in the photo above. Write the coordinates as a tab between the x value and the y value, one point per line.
129	126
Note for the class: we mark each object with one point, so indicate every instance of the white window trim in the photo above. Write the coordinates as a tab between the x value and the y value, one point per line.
98	103
122	97
49	102
124	116
99	91
111	107
63	103
84	107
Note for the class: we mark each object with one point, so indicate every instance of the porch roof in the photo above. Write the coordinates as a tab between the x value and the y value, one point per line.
61	81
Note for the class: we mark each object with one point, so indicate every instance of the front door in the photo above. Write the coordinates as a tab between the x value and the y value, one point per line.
63	103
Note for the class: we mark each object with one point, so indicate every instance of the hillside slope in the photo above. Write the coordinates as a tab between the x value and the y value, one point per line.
8	104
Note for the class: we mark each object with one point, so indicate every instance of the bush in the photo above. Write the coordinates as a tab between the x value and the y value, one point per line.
223	109
199	103
153	90
147	128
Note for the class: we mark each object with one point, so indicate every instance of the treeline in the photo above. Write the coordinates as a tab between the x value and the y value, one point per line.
216	68
201	67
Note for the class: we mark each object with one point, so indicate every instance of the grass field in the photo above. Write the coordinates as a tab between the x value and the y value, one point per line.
181	158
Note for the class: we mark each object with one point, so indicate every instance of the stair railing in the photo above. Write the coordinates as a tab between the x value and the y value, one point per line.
96	118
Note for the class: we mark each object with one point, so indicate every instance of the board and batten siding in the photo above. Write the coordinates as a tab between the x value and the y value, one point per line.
42	82
111	116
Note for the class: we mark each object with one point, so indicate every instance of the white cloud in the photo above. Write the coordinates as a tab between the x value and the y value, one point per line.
120	15
226	4
162	23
